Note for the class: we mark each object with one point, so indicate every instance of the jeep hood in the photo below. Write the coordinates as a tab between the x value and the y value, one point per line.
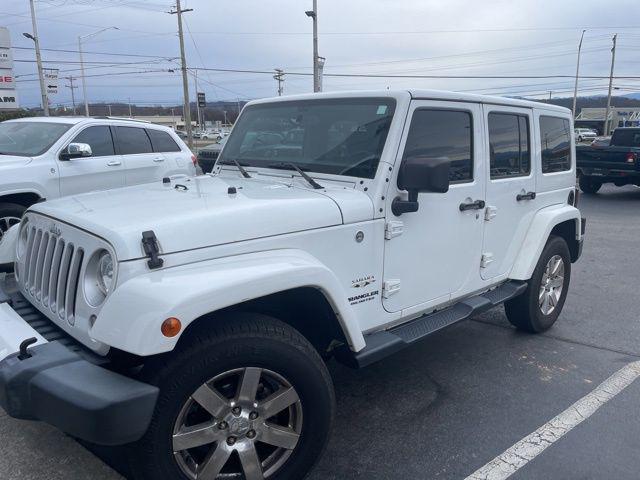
199	212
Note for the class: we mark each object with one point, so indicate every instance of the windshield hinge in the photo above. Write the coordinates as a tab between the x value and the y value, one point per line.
151	249
392	229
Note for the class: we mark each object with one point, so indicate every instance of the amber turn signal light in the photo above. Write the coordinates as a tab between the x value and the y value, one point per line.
171	327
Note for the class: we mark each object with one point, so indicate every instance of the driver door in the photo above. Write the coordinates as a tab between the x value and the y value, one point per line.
433	255
103	170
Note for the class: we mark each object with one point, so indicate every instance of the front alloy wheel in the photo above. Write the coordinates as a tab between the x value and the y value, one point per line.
242	422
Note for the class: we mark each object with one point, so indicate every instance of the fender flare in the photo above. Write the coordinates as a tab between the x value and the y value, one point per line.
535	240
131	317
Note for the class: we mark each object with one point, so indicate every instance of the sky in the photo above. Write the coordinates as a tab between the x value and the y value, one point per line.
139	62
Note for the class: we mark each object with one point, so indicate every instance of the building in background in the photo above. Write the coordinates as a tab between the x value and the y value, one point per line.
8	95
619	117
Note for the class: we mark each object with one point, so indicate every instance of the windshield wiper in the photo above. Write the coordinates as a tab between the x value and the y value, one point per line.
293	166
244	173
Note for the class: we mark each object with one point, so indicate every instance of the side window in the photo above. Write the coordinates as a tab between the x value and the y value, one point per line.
555	140
162	141
443	133
99	138
132	140
509	145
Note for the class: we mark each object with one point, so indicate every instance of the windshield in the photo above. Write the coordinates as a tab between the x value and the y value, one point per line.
338	136
28	139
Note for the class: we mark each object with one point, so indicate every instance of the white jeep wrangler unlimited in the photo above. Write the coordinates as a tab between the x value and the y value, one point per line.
189	320
42	158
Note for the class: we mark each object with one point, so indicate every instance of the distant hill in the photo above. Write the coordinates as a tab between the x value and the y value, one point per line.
633	95
631	100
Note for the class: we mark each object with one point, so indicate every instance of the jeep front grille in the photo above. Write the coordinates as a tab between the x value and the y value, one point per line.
51	272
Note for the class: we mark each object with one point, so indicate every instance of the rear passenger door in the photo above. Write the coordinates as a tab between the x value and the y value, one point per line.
103	170
175	160
511	187
143	165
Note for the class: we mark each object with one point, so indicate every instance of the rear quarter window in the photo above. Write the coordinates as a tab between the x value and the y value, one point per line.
162	141
555	144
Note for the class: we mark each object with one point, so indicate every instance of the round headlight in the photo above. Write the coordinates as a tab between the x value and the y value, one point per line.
105	272
22	239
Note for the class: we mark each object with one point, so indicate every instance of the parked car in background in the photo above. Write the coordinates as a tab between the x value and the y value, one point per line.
617	163
208	155
584	134
46	158
196	320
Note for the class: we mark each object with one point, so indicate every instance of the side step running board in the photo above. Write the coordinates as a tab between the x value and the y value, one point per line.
384	343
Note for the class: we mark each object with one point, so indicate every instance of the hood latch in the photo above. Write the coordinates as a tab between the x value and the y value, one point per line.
151	249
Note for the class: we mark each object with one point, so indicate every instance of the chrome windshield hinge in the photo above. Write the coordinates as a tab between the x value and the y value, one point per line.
389	287
394	228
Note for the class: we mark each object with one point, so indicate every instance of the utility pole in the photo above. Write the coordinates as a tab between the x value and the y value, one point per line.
313	14
130	116
72	87
613	61
185	83
575	88
279	77
36	40
550	93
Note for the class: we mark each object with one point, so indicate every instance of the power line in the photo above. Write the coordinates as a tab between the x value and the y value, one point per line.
95	53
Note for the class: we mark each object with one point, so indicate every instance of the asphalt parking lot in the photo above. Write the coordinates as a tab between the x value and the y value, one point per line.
451	404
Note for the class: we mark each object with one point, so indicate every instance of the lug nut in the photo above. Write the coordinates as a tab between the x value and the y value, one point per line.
236	411
251	434
223	425
231	441
253	415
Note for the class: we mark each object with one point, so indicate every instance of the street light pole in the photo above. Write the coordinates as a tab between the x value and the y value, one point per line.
314	16
575	88
84	83
185	83
36	40
613	61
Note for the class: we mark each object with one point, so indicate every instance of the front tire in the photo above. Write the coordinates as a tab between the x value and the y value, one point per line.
589	185
247	399
538	308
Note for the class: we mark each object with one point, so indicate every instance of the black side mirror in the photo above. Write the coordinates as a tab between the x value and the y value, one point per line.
420	174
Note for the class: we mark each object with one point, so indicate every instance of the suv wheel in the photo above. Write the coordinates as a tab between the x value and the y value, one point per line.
589	184
10	215
538	308
249	399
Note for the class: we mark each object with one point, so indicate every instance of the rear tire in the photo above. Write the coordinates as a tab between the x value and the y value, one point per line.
529	312
237	350
589	185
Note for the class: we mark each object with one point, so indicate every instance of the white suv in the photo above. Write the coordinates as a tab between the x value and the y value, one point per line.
191	319
47	157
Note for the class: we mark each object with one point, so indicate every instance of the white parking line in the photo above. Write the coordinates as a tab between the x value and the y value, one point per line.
516	457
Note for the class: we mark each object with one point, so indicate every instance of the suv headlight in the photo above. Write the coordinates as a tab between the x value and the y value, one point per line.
105	272
99	277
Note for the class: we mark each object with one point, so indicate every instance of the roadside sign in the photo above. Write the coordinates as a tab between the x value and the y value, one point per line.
8	95
51	80
202	99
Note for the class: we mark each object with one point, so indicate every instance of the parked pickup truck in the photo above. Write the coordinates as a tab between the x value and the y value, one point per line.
618	163
191	319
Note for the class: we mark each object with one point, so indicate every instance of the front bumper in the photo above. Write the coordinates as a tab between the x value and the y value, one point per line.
58	386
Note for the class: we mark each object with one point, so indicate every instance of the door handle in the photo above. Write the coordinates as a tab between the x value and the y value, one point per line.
158	159
526	196
477	205
114	163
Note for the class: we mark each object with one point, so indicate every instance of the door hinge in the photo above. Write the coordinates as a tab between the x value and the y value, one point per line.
394	228
487	258
490	212
389	287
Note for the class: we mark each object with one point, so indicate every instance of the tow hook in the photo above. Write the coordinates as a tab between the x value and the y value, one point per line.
24	353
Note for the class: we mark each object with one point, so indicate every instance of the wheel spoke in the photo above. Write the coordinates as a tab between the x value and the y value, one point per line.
211	467
556	282
279	436
209	399
277	402
196	436
251	464
545	303
249	385
552	299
